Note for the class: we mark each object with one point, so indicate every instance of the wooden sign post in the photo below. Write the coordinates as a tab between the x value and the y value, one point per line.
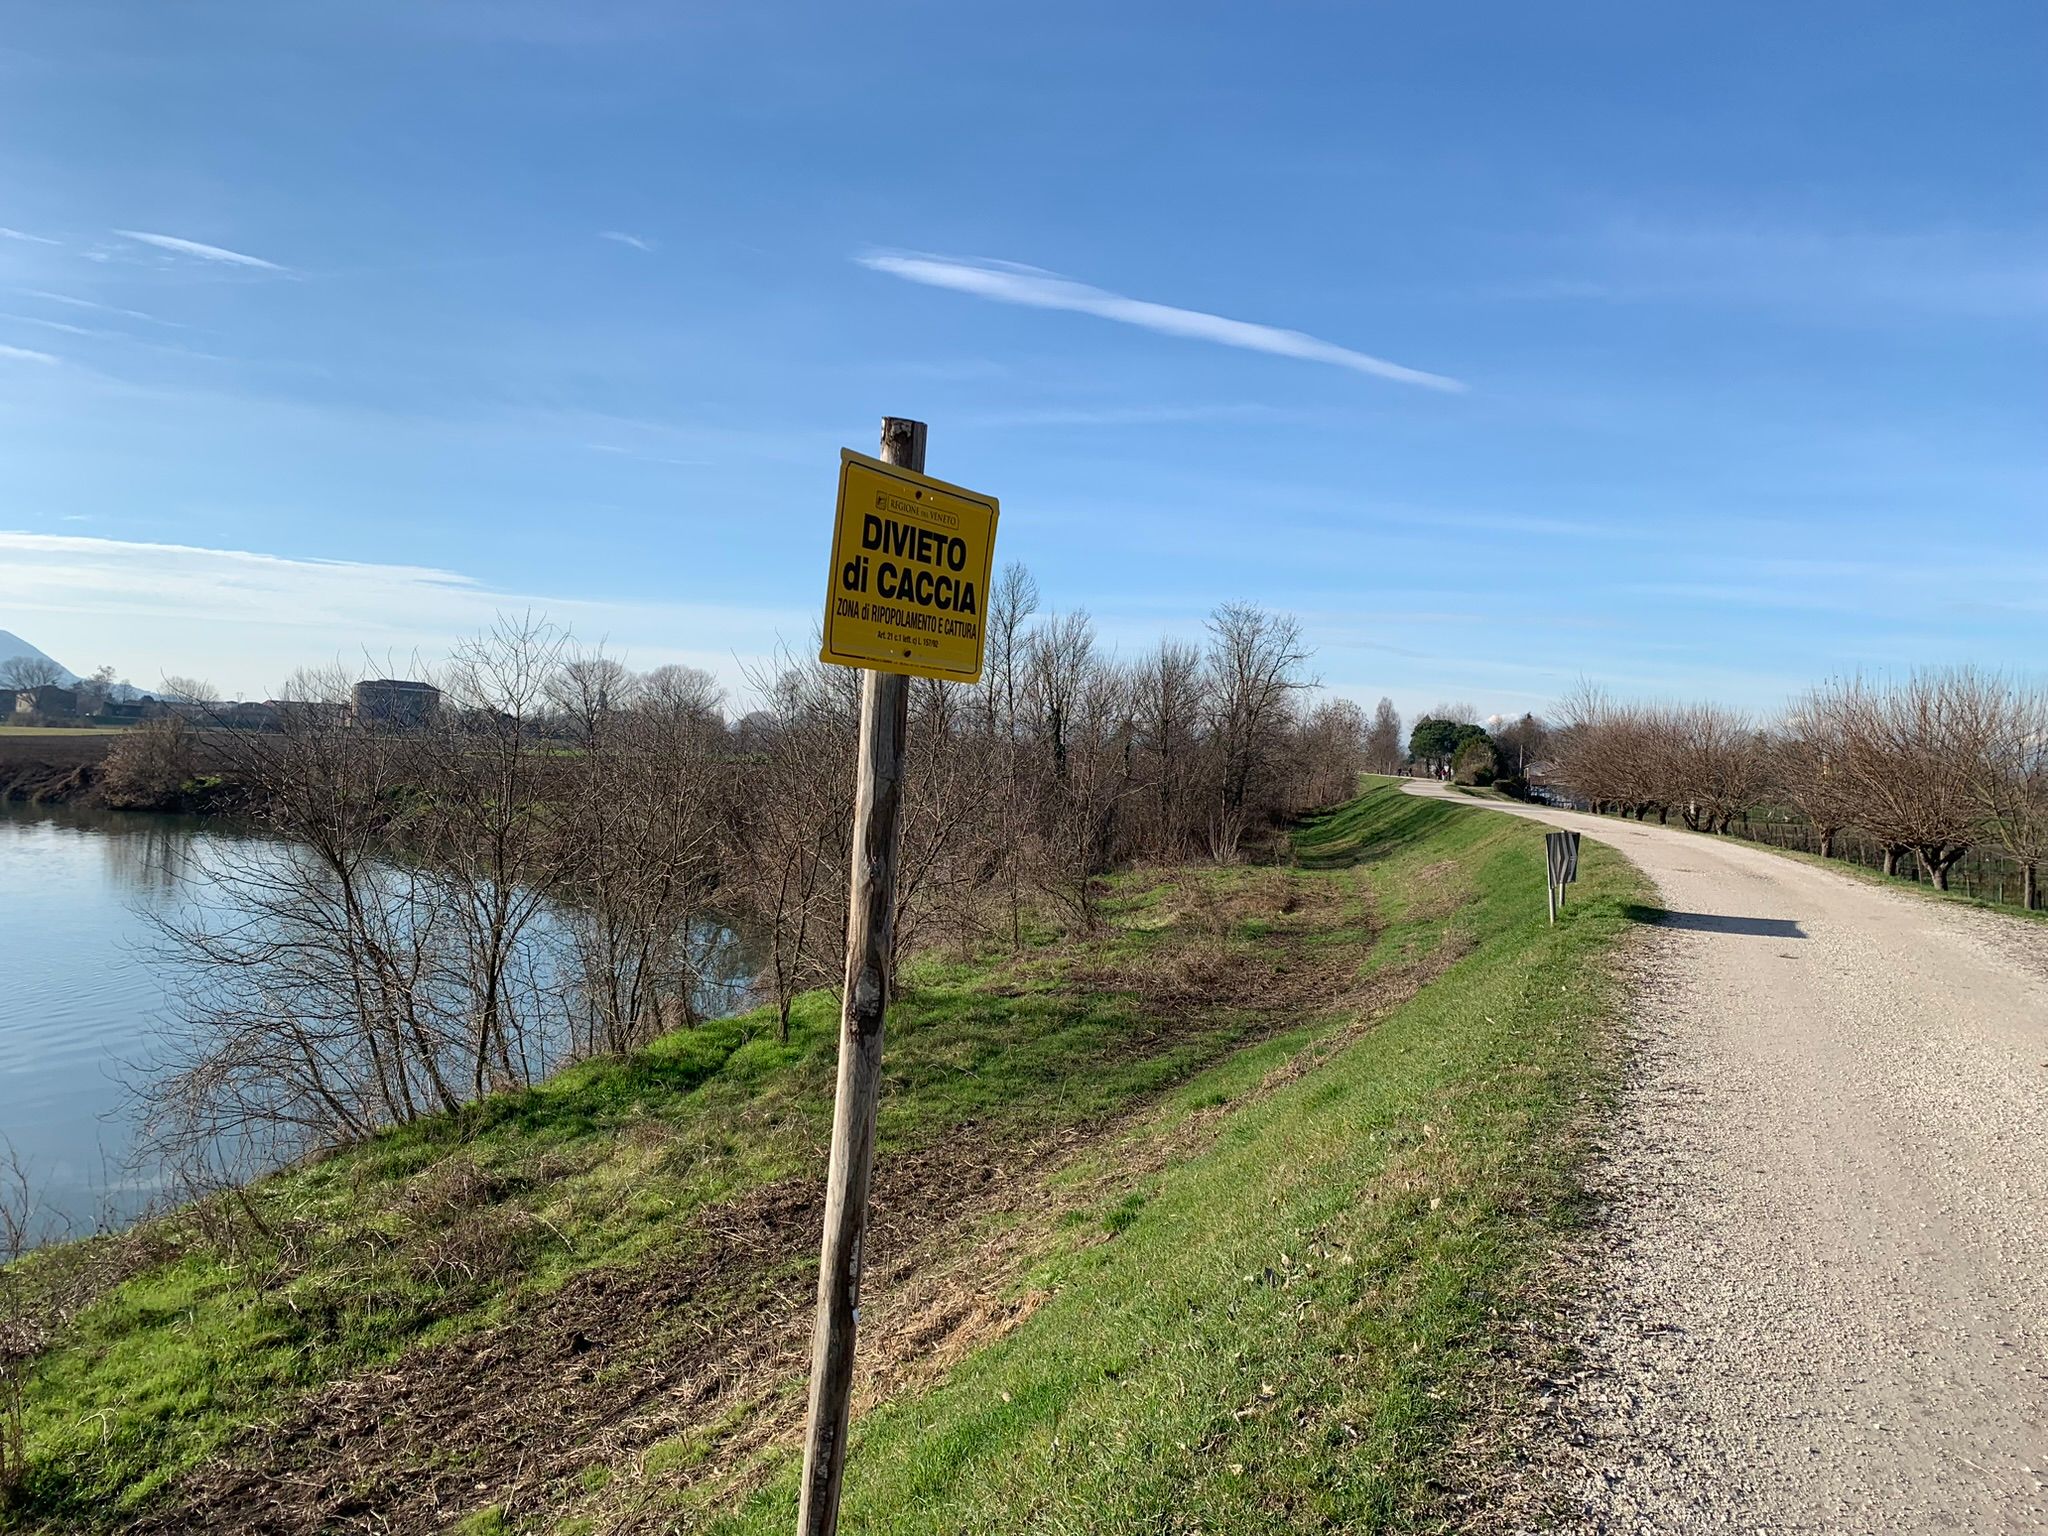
909	578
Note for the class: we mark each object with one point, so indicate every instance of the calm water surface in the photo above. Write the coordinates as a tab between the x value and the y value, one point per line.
77	996
80	998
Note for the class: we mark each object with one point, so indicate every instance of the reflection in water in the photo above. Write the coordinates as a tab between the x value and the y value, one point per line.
80	997
146	861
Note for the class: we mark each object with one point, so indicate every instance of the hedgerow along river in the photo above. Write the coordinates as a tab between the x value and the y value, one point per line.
81	996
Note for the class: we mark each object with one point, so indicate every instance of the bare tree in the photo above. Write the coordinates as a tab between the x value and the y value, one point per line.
2012	785
22	1331
1255	664
1011	606
20	673
1811	767
1716	765
188	690
587	689
1915	761
683	694
1522	742
1170	699
307	998
1329	752
94	690
788	869
476	830
1058	657
638	821
455	908
1384	752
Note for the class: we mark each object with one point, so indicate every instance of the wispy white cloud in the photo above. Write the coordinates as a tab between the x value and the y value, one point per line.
1010	283
52	325
22	234
131	603
638	242
28	355
202	251
94	304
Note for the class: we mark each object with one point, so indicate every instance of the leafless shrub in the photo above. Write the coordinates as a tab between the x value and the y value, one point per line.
148	766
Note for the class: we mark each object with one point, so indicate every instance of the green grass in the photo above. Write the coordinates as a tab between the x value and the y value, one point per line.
1296	1329
1287	1326
604	1165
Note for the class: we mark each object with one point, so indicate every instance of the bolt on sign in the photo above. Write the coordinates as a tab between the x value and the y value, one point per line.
910	570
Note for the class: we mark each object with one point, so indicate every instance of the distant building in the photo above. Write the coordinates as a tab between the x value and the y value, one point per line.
309	714
122	712
47	703
247	717
395	704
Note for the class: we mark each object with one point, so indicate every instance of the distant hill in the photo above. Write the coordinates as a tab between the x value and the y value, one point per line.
12	645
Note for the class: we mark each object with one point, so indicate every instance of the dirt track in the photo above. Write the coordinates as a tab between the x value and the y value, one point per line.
1824	1304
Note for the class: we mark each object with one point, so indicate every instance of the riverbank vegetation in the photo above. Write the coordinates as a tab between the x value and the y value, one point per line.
539	869
1229	1196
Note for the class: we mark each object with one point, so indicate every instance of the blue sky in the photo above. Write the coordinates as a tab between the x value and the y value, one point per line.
1698	352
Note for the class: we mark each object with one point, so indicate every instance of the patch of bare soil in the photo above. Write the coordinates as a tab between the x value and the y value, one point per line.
710	1338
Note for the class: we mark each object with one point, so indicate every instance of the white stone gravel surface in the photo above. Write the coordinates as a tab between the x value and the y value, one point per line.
1822	1298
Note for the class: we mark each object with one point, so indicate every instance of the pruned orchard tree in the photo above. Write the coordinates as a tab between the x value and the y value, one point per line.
2012	786
1915	761
1810	769
1716	761
1930	764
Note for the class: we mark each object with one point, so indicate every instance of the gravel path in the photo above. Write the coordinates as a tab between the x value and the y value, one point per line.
1825	1298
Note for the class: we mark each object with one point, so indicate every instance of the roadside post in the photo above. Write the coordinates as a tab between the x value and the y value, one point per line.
1561	866
905	598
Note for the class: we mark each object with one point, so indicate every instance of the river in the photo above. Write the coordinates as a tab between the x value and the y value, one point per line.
80	997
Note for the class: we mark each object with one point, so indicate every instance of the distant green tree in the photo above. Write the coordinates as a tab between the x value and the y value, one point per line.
1475	761
1435	742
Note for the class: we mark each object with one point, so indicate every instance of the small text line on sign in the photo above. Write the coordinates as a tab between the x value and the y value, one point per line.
911	558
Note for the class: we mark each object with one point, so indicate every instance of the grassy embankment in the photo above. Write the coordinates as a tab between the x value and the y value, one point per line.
1224	1217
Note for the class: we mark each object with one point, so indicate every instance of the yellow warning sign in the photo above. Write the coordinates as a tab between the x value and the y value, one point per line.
910	565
